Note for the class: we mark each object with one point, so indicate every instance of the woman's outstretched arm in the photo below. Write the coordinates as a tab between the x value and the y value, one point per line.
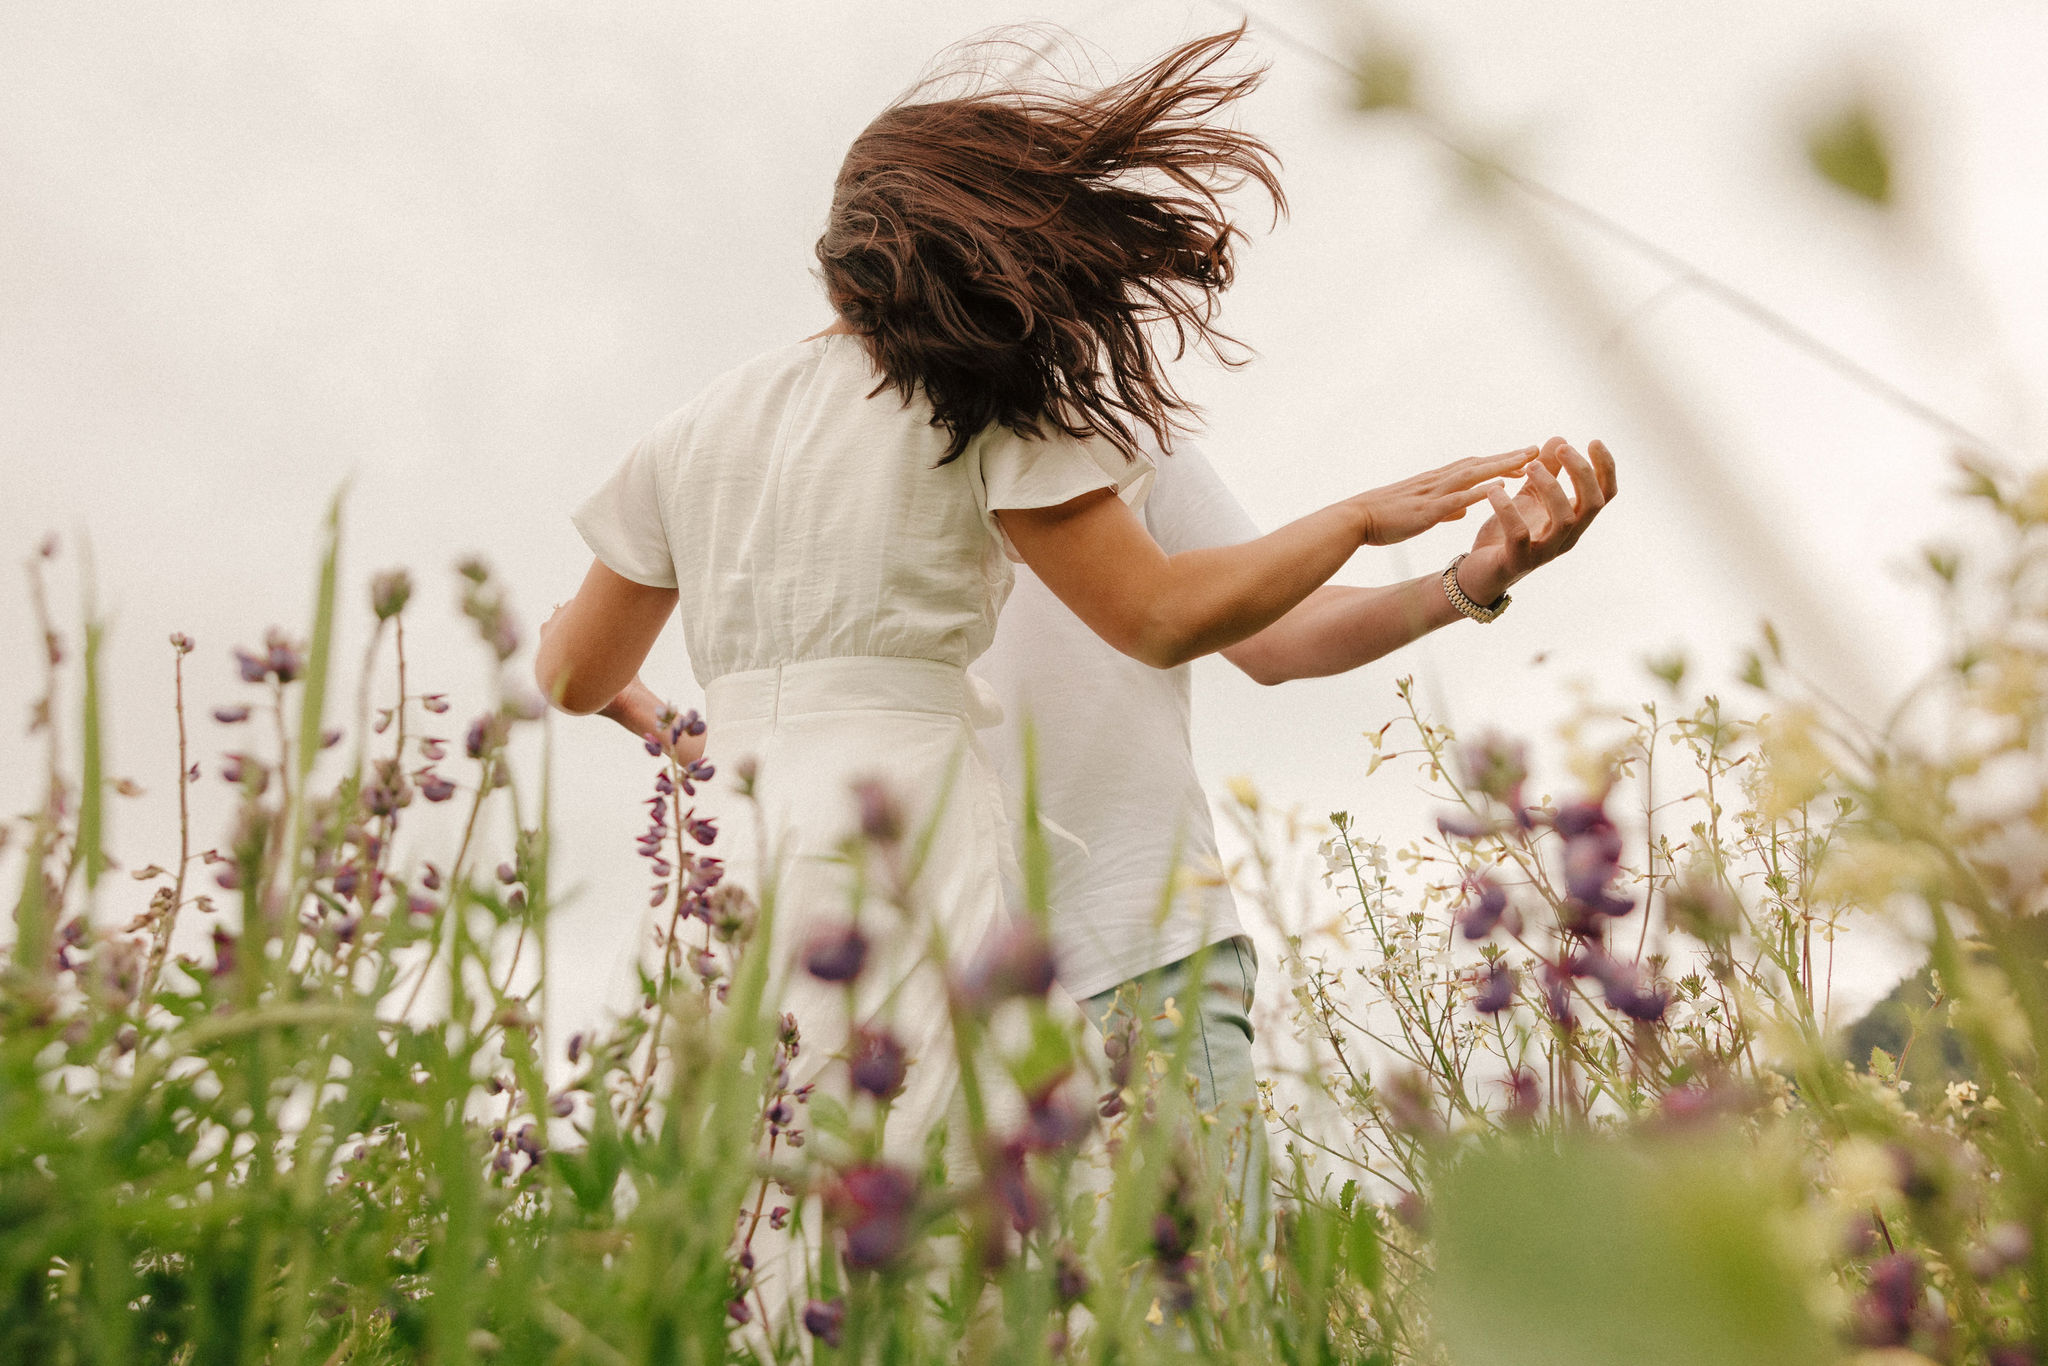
1097	558
1336	629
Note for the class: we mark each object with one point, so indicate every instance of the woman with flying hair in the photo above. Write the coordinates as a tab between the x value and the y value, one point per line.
837	519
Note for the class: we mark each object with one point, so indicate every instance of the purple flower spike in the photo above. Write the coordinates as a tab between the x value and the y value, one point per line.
1017	961
872	1206
825	1319
1053	1122
836	955
881	816
1478	917
878	1063
1497	991
1463	825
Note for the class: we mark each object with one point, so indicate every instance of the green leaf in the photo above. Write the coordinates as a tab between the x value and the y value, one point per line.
1362	1246
1850	153
828	1116
1613	1253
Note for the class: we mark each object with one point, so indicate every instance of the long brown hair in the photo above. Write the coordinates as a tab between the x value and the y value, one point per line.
1006	253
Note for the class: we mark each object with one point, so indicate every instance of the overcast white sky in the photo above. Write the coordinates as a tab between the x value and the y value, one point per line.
462	254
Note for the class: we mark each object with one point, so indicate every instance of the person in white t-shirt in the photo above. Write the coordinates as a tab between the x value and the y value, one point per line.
1140	915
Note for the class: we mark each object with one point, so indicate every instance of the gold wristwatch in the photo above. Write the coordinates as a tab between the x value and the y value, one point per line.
1465	604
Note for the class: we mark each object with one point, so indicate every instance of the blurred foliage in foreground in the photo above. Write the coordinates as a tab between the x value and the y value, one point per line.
1561	1086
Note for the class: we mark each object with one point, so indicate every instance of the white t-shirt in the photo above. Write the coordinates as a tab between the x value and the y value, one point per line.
802	517
1116	769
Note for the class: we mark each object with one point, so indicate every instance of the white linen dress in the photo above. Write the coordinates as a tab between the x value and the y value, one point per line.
834	582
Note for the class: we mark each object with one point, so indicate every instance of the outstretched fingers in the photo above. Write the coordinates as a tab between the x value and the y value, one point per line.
1514	529
1603	466
1469	474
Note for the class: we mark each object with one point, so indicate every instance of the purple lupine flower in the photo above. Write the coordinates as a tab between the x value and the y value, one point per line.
836	954
281	657
345	882
330	737
881	815
430	877
223	952
878	1063
1523	1094
435	702
825	1319
253	667
419	903
229	716
563	1105
1497	991
434	787
1052	1122
1885	1313
433	748
736	1309
662	784
1016	961
1463	825
653	743
1479	915
778	1216
1070	1278
234	767
1008	1186
229	878
485	734
507	874
702	829
872	1206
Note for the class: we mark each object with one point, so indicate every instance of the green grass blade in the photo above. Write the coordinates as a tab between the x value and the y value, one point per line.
313	696
92	796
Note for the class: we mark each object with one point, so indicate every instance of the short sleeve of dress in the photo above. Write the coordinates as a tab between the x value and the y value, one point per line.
622	522
1027	472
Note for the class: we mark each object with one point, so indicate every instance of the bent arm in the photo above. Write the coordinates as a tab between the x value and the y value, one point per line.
594	646
1098	559
1336	629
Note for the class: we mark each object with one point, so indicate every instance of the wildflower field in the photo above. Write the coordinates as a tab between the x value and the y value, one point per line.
1561	1091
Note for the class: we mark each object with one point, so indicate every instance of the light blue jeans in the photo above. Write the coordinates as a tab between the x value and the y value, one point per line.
1217	1012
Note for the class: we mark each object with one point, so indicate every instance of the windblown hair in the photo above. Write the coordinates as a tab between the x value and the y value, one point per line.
1007	253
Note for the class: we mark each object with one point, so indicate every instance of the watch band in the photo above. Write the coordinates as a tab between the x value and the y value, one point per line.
1464	604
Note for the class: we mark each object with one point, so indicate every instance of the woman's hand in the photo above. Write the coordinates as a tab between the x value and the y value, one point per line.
1541	522
640	711
1417	503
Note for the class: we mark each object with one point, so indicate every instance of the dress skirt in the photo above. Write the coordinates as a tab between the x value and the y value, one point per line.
926	879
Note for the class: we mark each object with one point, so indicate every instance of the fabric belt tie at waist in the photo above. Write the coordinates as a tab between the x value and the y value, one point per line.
852	683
